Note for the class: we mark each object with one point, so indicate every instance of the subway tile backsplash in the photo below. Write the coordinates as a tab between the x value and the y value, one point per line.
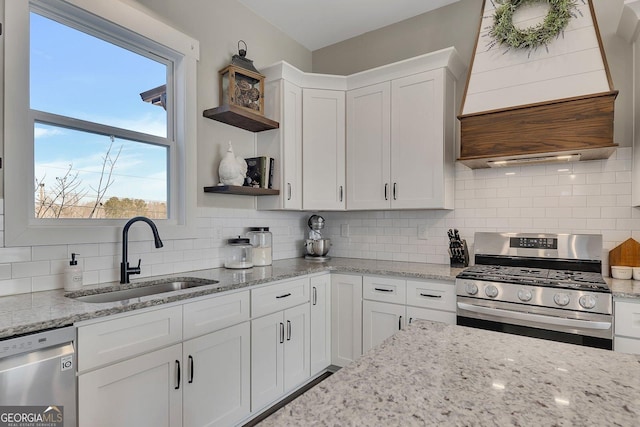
584	197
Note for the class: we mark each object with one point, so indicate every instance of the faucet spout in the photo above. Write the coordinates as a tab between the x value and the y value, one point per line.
125	270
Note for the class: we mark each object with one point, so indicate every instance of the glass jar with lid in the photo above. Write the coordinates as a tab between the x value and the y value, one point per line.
261	240
238	253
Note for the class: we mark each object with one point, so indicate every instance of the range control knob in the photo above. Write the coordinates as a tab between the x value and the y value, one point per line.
587	301
491	291
471	288
524	295
561	299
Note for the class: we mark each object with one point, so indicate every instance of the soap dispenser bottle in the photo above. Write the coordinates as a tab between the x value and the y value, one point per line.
73	275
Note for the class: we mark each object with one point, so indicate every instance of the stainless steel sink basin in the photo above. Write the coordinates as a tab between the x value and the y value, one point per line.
144	290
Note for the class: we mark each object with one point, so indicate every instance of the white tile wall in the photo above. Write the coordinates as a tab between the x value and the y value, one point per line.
37	268
583	197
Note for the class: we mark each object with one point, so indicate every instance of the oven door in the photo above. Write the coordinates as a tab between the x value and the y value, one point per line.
589	329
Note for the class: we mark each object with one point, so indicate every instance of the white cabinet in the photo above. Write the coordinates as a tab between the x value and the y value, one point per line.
380	321
390	304
149	377
320	323
280	360
627	327
323	149
216	380
122	337
400	143
283	103
143	391
346	318
369	147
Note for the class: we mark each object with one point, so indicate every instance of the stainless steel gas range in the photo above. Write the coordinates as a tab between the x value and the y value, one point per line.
546	286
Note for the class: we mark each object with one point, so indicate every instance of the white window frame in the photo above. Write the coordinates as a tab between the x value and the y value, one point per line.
134	27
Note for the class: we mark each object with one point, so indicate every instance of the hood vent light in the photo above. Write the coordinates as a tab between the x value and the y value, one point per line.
533	160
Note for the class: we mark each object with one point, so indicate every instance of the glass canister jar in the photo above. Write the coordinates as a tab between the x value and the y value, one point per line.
238	253
261	240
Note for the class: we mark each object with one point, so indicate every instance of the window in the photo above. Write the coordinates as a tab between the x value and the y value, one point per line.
77	82
102	128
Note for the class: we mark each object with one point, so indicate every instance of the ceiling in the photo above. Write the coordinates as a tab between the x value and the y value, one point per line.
319	23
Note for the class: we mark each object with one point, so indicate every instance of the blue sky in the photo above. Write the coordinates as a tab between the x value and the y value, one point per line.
80	76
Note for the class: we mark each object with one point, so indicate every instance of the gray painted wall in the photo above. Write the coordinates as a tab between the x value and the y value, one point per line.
457	25
218	25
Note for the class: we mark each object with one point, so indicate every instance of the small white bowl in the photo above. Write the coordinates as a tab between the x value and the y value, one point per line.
620	272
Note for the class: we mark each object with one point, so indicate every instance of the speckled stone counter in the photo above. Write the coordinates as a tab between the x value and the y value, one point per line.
24	313
434	374
628	289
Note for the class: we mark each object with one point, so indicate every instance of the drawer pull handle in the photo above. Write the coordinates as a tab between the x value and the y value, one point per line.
284	296
382	290
288	330
178	370
315	296
281	332
190	369
430	295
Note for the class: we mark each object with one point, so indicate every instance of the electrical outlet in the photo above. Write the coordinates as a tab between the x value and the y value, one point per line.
423	233
344	230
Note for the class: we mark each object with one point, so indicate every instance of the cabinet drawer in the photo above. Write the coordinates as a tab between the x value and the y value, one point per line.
106	342
627	319
215	313
432	294
279	296
384	289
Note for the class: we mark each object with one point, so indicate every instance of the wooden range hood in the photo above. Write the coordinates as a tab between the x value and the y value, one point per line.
543	106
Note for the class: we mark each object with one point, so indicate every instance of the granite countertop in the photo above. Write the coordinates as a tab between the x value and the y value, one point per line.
437	374
25	313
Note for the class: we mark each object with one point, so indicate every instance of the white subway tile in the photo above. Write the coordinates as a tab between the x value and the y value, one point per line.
45	283
15	286
30	269
42	253
15	254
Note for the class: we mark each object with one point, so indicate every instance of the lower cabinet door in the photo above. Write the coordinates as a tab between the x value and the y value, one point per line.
320	323
380	321
142	391
216	377
297	360
346	318
267	350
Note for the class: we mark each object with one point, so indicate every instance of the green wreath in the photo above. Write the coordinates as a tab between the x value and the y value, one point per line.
504	32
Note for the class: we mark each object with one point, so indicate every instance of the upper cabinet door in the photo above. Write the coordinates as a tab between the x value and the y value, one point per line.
323	149
283	103
418	134
368	147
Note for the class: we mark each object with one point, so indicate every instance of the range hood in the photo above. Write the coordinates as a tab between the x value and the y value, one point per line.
551	104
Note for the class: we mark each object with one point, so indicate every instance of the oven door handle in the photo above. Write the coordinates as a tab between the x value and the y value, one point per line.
551	320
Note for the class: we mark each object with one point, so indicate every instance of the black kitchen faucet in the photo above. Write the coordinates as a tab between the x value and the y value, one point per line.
125	270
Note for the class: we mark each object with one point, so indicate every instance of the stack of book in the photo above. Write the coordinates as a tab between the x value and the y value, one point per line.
259	172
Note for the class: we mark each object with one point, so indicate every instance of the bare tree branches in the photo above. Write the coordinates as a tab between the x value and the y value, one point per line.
65	194
107	162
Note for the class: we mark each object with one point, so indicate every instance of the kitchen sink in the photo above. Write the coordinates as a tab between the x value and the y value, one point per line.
143	289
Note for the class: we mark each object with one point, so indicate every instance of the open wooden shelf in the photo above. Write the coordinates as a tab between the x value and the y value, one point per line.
240	118
240	190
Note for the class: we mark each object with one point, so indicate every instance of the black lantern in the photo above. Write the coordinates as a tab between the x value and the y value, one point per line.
241	84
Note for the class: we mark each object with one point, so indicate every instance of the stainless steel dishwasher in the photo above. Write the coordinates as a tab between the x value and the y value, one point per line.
38	375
